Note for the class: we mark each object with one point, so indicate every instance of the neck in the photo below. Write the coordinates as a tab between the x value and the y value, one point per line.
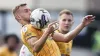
62	31
24	22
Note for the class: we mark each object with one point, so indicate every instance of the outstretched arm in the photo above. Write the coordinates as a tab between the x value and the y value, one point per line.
69	36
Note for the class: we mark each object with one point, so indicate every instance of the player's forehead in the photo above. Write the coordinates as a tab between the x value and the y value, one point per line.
66	16
22	8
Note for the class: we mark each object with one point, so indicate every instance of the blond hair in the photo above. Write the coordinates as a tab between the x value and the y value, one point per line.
17	7
65	11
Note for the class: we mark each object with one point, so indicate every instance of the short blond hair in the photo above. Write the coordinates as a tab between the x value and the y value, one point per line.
65	11
17	7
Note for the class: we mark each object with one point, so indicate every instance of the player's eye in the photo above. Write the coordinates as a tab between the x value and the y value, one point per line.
64	20
26	10
29	9
69	20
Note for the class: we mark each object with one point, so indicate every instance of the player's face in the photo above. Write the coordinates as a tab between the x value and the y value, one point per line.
65	22
25	13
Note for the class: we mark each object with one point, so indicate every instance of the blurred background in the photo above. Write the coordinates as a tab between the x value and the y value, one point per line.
87	43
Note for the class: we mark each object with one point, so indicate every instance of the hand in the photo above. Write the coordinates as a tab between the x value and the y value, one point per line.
51	27
87	20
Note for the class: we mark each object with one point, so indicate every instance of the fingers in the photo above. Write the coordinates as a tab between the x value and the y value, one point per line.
90	17
55	26
93	18
53	23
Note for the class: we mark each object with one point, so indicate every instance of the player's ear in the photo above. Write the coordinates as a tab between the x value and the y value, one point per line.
72	22
18	17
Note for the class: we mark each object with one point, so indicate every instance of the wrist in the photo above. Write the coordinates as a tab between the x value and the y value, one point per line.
82	25
47	31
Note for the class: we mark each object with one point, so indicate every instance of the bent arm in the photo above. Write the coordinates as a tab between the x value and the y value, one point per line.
36	43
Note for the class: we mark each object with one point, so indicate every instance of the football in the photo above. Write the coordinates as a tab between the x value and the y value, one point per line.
40	18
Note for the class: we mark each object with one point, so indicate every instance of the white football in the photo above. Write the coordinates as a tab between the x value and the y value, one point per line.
40	18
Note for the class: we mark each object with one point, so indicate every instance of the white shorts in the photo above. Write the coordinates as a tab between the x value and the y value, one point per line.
25	52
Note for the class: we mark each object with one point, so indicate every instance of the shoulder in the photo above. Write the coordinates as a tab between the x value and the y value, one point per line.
3	49
28	31
27	28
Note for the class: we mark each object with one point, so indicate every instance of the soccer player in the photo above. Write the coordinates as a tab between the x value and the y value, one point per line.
11	43
65	23
30	35
37	41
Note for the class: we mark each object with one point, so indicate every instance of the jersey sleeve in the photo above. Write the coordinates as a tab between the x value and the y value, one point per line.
28	32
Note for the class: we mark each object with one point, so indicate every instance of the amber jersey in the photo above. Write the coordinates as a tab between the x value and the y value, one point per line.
50	48
65	48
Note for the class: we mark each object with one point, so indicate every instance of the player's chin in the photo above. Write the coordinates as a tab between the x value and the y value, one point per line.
66	29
